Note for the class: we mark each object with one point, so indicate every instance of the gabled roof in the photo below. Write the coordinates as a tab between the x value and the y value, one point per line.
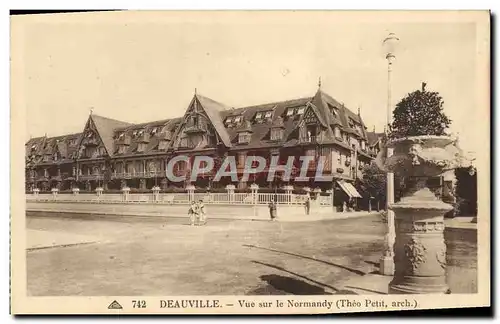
373	137
105	127
213	110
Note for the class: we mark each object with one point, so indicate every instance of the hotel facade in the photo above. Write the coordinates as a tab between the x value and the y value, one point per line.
113	154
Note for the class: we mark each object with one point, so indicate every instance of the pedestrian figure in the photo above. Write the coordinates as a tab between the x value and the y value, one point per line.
308	205
202	212
193	213
273	210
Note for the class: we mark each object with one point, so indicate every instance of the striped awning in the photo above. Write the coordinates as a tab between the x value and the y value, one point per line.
349	189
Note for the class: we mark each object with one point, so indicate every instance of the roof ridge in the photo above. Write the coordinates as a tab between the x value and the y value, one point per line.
274	103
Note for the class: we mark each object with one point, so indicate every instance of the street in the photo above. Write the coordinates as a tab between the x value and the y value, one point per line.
148	256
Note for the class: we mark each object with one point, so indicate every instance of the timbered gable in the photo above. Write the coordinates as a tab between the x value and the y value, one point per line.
201	126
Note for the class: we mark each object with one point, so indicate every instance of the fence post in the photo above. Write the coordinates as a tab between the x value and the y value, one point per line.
55	191
190	191
330	197
125	191
156	193
99	191
288	191
230	191
36	191
254	188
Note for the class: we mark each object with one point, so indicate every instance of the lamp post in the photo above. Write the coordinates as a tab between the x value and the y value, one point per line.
387	260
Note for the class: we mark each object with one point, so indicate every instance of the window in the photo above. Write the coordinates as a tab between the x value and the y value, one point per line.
258	115
289	112
229	120
121	135
363	145
337	132
237	119
134	133
122	149
184	142
163	145
276	134
300	111
268	114
244	138
333	110
154	130
141	147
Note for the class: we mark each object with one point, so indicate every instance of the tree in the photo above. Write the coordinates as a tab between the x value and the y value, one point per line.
374	183
419	113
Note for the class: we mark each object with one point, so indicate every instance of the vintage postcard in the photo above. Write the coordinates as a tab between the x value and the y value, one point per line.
250	162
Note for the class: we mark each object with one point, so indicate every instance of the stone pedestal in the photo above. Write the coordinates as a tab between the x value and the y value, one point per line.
99	191
420	250
76	191
36	192
55	191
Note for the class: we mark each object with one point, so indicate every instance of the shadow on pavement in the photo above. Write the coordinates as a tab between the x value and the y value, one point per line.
358	272
290	285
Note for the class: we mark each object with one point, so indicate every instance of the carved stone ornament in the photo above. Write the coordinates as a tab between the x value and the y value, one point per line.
441	255
415	253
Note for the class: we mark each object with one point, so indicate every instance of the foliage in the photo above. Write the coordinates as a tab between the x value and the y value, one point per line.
374	182
419	113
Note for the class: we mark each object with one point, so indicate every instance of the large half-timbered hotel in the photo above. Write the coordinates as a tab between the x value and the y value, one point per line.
110	153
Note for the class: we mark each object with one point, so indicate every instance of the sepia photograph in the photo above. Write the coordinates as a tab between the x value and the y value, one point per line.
250	161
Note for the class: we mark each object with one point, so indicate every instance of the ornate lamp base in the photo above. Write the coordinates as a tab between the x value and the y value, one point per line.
387	265
420	250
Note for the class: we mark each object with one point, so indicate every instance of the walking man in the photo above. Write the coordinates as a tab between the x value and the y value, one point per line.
308	204
202	211
273	210
193	213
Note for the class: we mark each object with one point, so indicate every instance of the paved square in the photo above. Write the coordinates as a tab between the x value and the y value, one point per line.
168	257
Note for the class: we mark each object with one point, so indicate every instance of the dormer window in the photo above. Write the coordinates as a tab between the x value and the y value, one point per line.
351	123
134	133
154	130
289	112
337	132
237	119
333	110
269	114
121	135
363	145
244	137
141	147
229	120
276	134
301	110
258	116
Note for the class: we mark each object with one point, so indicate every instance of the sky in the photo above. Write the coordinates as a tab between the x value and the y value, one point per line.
144	67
